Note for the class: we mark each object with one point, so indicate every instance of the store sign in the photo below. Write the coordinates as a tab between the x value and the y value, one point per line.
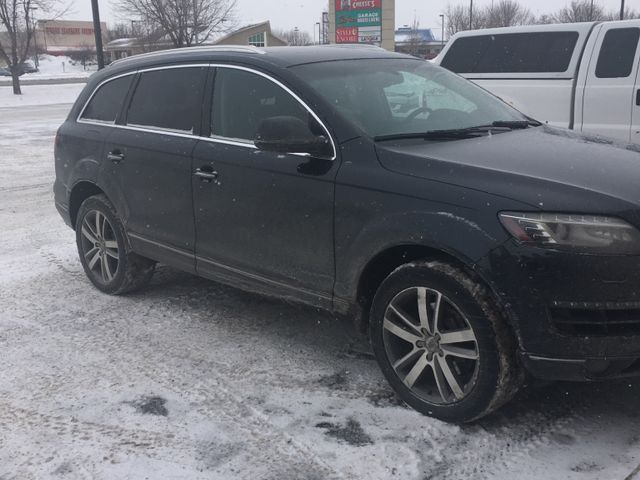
69	31
358	21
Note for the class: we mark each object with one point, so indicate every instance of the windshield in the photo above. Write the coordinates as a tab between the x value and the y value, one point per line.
387	97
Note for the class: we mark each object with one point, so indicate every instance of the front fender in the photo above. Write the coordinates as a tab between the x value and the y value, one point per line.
452	231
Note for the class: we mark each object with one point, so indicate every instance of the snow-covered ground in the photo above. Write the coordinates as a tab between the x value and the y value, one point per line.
189	379
60	67
55	68
33	95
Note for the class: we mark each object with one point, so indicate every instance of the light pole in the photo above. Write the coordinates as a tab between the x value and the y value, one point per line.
44	34
325	26
622	10
442	38
35	35
97	31
471	15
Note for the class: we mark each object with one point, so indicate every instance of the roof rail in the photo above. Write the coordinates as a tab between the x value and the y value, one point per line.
201	48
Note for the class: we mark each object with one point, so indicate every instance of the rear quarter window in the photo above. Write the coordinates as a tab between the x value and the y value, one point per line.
536	52
168	99
106	102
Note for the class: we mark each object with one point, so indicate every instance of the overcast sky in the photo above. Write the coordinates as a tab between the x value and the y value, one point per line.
303	14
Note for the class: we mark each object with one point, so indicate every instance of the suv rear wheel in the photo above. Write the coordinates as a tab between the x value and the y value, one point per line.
442	343
103	251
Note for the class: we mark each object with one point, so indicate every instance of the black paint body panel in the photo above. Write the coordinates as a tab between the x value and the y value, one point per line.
306	229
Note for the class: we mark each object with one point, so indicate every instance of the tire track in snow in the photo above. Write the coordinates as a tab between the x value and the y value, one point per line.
268	444
20	188
265	445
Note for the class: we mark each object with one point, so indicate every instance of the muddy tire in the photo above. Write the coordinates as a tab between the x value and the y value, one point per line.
442	342
104	251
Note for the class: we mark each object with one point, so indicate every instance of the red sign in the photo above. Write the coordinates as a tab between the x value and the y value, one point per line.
69	31
342	5
347	35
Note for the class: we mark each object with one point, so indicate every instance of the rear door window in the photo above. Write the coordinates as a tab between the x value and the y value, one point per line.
169	99
536	52
106	103
618	53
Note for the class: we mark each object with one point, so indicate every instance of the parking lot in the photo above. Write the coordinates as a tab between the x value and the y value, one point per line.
190	379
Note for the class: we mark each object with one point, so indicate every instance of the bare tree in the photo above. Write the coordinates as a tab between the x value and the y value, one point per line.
119	30
295	37
16	19
507	13
545	19
458	18
83	55
580	11
185	22
629	14
414	42
503	13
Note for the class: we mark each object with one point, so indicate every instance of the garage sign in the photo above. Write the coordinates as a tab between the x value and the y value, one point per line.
359	21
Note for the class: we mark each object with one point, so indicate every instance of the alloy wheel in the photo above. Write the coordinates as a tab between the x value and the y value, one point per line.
430	345
99	246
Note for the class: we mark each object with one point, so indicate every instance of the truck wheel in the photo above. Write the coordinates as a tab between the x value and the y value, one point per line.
442	343
103	250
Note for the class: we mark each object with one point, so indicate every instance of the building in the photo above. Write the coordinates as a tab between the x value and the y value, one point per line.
258	35
60	37
126	47
362	21
421	43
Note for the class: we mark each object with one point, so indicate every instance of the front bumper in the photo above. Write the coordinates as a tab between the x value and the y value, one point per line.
576	317
580	370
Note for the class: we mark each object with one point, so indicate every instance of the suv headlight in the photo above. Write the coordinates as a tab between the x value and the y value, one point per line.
581	233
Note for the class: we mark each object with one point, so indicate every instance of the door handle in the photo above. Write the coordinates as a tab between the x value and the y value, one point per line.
206	174
115	156
638	98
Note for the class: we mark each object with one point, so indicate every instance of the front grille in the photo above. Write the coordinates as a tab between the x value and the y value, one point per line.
596	322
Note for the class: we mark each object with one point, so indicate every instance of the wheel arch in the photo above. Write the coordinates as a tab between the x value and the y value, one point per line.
381	265
79	193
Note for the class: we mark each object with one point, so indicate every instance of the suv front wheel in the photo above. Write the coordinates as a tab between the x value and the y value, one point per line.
103	251
442	343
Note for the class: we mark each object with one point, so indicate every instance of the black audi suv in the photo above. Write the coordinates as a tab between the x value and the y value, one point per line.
471	242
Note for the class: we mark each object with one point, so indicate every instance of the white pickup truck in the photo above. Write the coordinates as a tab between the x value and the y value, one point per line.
582	76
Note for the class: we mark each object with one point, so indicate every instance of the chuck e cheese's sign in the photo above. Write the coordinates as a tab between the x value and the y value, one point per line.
358	21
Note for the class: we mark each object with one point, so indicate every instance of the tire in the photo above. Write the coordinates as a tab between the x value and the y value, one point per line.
459	368
104	252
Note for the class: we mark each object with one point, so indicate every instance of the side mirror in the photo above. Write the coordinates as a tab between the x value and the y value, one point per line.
286	134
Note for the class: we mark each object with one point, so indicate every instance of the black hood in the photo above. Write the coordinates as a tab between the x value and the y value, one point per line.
548	168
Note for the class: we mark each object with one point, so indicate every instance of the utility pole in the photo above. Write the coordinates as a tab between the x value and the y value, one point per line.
44	35
34	22
97	30
471	15
442	39
622	10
